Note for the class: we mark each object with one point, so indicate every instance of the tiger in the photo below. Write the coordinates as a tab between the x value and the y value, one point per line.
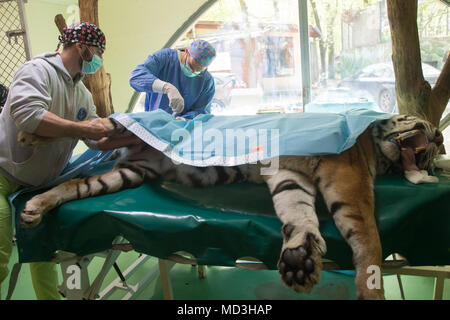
345	181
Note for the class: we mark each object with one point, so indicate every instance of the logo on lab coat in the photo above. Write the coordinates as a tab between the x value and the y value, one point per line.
82	114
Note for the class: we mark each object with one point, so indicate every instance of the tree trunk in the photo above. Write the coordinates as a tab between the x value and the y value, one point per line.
247	64
322	44
330	43
99	84
414	94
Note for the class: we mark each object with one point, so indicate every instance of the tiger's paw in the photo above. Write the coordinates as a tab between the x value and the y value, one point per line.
26	139
300	263
34	210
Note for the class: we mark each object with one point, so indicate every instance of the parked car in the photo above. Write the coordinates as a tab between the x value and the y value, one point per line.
225	83
335	100
379	80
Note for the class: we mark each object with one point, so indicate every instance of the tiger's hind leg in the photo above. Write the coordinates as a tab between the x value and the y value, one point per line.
110	182
300	262
348	193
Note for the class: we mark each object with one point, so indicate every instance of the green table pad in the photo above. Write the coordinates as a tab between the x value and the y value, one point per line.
221	224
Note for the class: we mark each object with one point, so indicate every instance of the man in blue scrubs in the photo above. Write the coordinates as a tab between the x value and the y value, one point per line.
177	81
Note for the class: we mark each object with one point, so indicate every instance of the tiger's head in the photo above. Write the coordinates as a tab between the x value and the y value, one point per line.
403	142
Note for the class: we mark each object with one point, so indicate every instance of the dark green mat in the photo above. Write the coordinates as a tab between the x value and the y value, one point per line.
222	224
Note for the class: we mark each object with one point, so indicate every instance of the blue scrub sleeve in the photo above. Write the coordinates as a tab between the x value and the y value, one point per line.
203	104
143	76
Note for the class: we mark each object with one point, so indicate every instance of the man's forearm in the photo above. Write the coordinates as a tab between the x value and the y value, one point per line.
111	143
53	126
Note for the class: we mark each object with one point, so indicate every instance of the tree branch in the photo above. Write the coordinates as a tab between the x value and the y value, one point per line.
440	95
441	89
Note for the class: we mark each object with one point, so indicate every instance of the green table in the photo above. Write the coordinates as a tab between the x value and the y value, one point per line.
221	224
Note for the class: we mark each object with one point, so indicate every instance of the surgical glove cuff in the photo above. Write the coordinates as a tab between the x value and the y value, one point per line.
158	86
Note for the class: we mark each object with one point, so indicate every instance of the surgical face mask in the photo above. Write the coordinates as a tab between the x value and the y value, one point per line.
188	71
91	67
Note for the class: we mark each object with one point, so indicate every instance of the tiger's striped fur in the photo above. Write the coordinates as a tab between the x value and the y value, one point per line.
344	180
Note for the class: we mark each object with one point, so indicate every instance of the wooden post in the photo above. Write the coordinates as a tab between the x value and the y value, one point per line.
60	22
99	84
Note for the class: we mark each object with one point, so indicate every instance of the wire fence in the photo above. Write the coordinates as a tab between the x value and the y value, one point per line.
12	44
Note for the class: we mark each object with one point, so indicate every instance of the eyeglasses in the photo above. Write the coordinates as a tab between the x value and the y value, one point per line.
97	50
415	139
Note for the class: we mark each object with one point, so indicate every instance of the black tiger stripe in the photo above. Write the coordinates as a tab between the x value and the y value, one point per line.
319	162
317	181
222	175
238	176
78	191
350	158
104	188
196	182
328	185
88	185
289	185
126	182
355	217
350	233
287	230
305	203
133	168
115	125
336	206
395	133
402	119
151	170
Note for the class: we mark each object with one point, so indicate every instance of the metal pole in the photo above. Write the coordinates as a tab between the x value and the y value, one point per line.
304	49
23	20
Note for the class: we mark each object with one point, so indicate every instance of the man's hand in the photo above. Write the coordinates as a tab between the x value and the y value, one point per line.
97	129
111	143
53	126
176	101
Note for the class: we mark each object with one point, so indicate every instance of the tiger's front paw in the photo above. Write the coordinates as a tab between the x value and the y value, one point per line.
34	210
113	125
26	139
300	263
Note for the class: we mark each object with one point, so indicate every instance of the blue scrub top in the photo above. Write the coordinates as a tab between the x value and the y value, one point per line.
165	65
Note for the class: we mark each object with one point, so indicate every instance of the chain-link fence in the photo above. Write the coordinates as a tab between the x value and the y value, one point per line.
13	48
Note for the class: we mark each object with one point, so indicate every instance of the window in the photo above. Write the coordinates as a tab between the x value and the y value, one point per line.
351	60
258	68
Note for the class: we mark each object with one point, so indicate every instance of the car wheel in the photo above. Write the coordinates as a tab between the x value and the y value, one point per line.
386	102
217	106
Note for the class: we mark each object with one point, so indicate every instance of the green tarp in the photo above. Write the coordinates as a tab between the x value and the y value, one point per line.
219	225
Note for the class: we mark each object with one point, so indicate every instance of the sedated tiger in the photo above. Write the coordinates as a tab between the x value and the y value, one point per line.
345	181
